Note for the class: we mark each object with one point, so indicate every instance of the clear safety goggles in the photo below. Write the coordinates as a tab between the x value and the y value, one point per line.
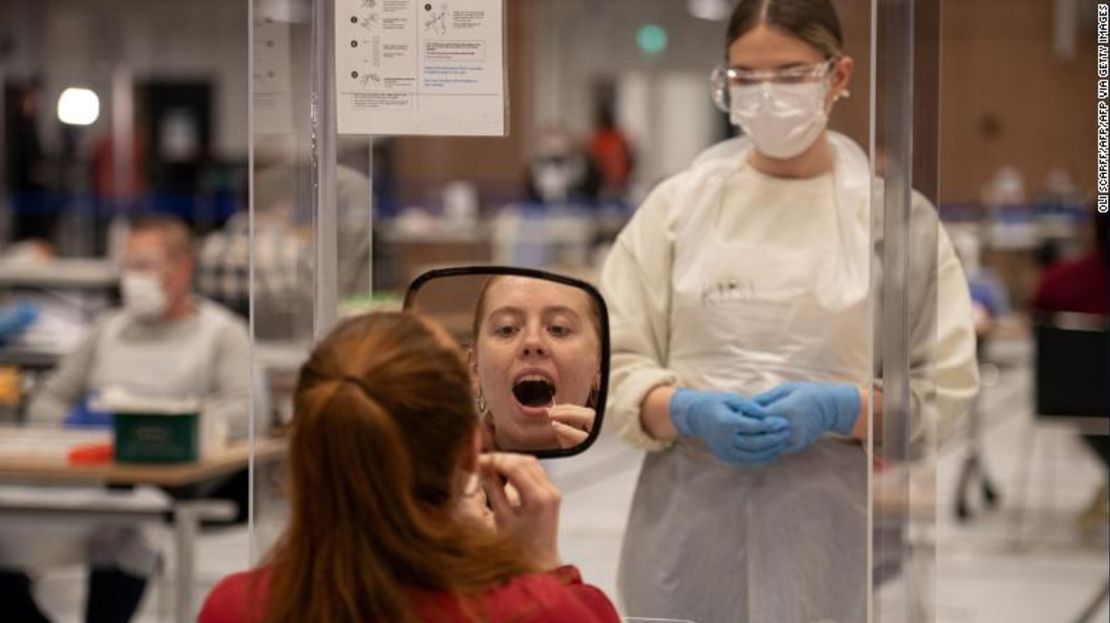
725	77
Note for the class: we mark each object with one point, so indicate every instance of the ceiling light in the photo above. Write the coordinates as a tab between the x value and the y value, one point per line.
78	107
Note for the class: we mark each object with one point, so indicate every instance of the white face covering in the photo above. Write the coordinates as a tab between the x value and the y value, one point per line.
783	120
143	296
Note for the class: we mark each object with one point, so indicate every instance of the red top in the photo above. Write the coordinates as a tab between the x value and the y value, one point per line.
557	595
1079	286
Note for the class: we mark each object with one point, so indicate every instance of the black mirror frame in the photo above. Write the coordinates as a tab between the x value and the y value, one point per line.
603	310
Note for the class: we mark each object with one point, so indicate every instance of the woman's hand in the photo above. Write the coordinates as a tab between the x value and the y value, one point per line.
812	410
737	430
572	424
533	519
473	506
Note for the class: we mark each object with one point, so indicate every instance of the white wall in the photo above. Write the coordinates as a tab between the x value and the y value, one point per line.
665	104
670	117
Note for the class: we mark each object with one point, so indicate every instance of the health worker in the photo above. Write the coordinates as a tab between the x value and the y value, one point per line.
742	330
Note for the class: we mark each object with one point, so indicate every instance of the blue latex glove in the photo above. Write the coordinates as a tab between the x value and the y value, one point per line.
812	410
15	319
82	416
736	430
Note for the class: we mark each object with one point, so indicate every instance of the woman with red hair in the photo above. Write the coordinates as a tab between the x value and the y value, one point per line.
386	520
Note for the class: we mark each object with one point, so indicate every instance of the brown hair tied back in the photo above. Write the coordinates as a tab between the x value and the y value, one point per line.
382	413
813	21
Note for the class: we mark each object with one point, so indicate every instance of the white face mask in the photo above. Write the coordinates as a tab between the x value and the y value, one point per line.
552	181
143	296
783	120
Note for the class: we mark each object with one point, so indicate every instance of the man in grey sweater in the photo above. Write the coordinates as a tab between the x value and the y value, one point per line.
165	342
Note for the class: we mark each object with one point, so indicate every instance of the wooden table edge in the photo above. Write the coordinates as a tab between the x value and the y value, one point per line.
177	475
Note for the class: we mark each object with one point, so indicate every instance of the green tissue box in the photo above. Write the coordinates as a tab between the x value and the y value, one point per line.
151	429
156	437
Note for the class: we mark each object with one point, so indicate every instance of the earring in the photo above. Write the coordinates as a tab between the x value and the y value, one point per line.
843	95
480	403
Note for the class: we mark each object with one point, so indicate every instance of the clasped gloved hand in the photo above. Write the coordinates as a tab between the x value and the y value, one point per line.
812	410
737	430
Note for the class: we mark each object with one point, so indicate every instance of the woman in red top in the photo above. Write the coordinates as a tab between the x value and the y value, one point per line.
385	520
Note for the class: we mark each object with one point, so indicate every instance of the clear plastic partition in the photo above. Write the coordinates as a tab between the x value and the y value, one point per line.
925	368
607	100
310	223
976	421
1021	503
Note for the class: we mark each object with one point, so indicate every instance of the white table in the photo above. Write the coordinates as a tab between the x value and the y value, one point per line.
29	457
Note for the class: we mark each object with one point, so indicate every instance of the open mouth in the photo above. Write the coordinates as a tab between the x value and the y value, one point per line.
534	391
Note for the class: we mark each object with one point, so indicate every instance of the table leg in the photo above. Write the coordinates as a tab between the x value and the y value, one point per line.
187	515
185	539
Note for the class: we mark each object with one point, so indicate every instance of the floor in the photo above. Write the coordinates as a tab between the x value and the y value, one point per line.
1002	566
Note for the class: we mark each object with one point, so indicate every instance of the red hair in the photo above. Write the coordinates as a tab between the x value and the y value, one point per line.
383	411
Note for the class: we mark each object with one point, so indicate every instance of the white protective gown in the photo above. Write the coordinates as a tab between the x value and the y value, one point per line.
728	279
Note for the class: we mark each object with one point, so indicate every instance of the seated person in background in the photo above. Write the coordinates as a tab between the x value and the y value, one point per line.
283	261
1079	285
164	342
535	363
282	270
1083	286
281	244
383	458
560	172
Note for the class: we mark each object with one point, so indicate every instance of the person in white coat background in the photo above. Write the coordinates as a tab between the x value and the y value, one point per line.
741	318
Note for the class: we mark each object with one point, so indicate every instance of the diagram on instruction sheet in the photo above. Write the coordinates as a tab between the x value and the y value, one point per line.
369	22
365	79
436	21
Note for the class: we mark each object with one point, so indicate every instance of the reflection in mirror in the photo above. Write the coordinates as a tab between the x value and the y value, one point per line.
534	363
536	347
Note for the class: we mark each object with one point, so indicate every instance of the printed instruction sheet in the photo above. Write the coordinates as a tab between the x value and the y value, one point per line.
429	67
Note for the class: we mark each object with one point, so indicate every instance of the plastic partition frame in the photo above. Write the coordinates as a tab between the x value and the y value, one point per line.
905	66
324	145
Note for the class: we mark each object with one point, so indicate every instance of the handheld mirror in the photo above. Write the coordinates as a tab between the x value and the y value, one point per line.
537	351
